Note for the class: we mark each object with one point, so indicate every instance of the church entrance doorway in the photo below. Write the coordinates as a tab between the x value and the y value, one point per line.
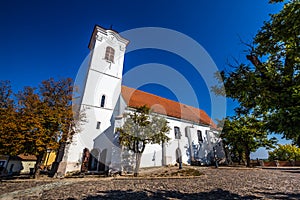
93	161
102	165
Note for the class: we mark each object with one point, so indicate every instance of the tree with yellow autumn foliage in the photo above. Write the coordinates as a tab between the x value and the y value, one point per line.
41	119
9	138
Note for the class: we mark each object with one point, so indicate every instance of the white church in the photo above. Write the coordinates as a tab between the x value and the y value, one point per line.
104	100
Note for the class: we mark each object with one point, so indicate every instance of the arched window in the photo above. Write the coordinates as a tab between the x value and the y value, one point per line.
199	133
102	101
109	54
177	132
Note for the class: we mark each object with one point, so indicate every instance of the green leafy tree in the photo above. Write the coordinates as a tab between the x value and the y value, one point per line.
245	134
269	85
142	128
285	152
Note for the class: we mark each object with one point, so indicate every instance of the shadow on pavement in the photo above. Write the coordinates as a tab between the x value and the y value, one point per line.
285	169
282	168
165	194
295	171
279	195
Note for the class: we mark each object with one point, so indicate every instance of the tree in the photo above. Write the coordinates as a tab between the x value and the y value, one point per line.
42	119
34	135
9	137
245	134
47	119
285	152
270	85
65	118
141	128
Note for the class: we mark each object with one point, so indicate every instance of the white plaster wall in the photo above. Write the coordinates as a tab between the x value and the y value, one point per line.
152	155
103	78
181	143
90	137
98	62
99	84
85	139
17	166
26	166
22	167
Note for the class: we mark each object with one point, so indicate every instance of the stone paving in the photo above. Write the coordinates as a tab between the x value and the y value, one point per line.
221	183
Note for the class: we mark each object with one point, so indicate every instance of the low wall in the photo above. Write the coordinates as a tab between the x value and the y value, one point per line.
281	163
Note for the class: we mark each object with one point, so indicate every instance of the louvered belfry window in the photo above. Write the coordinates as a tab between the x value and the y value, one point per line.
109	54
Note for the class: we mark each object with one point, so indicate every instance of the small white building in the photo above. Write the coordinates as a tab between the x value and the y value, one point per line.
20	164
104	101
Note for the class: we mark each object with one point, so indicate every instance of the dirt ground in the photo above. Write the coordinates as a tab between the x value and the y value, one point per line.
165	183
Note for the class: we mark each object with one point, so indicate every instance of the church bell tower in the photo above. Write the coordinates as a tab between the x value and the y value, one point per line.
100	94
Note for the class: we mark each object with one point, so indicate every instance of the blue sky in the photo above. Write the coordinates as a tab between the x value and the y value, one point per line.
43	39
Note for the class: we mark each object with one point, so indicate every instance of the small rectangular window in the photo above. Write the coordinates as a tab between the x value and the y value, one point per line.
177	132
199	133
98	125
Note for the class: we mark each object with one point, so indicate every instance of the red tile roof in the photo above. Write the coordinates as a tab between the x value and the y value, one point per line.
136	98
27	157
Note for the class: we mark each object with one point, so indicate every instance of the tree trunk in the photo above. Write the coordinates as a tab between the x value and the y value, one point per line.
227	156
247	154
137	164
58	159
6	167
37	165
240	157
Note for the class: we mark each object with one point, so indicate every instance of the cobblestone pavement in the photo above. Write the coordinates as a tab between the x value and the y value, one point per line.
221	183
